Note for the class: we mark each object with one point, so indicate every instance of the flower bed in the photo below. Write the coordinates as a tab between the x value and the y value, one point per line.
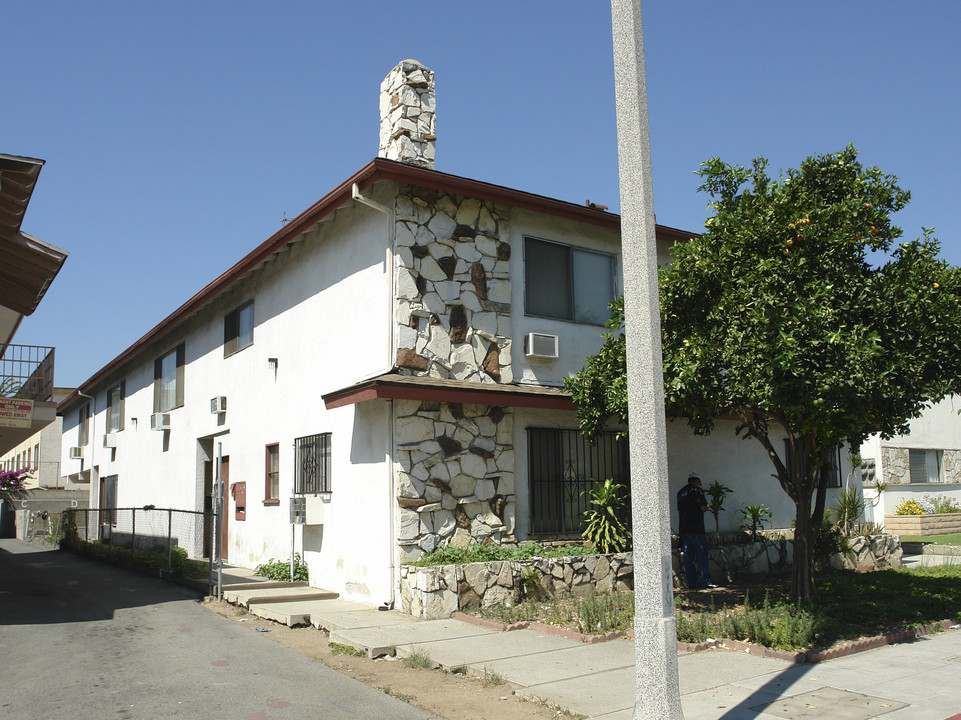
921	525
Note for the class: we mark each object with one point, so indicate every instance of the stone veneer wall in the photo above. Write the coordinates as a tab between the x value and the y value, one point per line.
455	477
453	296
897	466
437	592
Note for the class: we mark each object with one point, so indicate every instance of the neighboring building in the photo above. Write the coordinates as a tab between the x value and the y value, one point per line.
392	356
40	453
925	462
28	404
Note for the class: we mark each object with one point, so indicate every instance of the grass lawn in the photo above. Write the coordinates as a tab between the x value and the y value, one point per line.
850	606
954	539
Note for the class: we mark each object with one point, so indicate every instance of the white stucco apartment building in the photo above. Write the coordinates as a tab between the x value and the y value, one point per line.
393	357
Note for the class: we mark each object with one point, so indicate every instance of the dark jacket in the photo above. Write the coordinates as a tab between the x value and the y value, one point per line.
690	500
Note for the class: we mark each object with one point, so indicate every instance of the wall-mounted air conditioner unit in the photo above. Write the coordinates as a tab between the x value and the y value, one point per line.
110	440
218	404
540	345
76	453
160	421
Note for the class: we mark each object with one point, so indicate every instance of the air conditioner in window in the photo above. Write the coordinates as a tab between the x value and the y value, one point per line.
76	453
110	440
540	345
160	421
218	404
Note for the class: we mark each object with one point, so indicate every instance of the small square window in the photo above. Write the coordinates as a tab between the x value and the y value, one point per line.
239	328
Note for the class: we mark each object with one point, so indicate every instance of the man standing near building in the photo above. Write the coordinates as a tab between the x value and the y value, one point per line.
691	506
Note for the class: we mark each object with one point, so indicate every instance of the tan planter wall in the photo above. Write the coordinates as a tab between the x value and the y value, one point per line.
940	524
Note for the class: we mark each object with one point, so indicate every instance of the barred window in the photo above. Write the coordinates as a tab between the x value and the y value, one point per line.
312	464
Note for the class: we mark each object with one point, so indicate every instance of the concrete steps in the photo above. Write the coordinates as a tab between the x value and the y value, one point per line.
248	595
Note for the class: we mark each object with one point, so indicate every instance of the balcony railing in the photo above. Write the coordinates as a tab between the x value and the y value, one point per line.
26	371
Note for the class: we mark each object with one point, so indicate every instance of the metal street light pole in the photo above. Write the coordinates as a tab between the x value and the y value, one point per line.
656	689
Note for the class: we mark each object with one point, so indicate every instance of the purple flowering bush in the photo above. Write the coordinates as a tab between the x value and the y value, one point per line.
12	479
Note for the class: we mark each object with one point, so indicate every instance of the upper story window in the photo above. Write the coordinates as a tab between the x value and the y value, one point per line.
115	408
239	328
83	425
568	283
168	380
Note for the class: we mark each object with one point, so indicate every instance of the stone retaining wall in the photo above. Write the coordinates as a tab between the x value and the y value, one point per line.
431	593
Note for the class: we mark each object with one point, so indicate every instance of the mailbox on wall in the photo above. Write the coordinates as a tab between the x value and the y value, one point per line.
239	492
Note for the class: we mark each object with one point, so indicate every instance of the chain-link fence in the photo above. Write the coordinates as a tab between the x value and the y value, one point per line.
164	538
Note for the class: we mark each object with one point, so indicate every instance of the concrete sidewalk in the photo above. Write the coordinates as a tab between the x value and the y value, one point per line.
919	680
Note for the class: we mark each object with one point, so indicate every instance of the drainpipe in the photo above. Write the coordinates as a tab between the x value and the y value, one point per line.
388	263
92	437
391	508
389	365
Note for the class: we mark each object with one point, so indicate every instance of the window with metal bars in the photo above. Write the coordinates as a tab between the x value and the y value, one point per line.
562	466
312	464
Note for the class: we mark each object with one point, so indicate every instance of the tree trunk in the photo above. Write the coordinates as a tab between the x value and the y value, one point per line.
802	577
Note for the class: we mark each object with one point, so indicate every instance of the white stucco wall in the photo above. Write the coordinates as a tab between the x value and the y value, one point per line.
320	309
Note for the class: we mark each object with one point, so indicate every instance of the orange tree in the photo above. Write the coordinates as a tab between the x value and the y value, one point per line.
778	316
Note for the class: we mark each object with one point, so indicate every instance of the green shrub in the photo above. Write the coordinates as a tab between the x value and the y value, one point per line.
492	552
280	569
777	625
829	540
909	507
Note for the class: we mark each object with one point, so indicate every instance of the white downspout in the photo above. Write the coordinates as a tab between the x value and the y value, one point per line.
92	437
388	265
388	366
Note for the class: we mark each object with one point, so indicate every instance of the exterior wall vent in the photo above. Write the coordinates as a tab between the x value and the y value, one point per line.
540	345
160	421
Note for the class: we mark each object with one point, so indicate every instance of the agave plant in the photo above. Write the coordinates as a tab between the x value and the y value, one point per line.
606	529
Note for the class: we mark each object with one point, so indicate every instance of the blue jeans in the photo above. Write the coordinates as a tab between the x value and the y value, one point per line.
695	551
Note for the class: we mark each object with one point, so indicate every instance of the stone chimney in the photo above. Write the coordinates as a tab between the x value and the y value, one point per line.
407	115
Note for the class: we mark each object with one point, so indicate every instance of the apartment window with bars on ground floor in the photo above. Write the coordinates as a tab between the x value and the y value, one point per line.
562	465
312	464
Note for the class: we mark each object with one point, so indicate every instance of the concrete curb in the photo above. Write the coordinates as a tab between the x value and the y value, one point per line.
804	657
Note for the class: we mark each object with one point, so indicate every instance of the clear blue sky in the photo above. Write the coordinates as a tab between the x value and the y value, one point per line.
178	134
